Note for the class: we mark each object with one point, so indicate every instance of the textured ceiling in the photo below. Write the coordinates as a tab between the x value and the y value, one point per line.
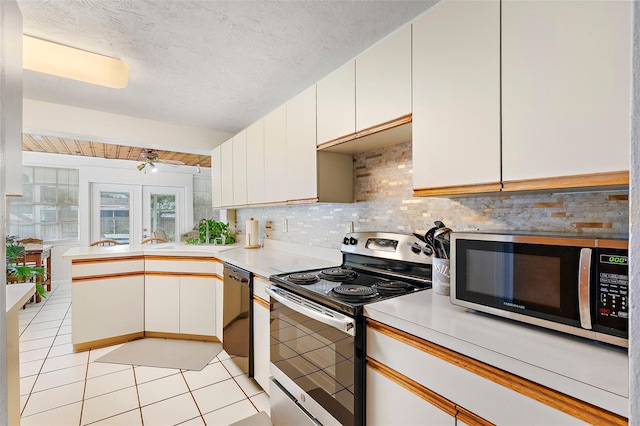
215	64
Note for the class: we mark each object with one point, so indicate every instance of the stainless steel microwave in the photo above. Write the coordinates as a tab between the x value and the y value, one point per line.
568	283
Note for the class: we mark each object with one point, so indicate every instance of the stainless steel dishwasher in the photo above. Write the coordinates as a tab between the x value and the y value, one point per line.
237	314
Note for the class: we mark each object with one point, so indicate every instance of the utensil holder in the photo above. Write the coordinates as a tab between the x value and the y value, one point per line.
440	276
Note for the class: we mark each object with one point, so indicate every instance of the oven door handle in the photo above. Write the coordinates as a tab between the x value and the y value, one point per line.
341	322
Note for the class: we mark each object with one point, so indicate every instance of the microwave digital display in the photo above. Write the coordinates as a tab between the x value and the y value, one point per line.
614	259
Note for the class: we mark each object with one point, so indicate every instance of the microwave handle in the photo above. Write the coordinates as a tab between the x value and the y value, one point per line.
584	284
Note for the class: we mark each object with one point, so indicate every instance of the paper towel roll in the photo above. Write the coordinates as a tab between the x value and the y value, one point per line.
253	232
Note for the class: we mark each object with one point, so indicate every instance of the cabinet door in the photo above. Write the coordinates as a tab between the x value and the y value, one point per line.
198	305
388	403
218	307
301	146
261	343
161	307
565	88
240	168
275	155
255	163
216	177
383	80
337	104
456	98
226	172
11	94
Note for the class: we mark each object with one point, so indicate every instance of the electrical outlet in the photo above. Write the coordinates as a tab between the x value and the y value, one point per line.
350	228
285	225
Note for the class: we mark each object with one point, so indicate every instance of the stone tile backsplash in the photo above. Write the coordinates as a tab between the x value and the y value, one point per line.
383	201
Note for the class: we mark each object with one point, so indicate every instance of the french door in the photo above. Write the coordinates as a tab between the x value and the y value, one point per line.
130	213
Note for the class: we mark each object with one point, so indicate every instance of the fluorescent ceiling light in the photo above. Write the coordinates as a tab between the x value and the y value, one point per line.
63	61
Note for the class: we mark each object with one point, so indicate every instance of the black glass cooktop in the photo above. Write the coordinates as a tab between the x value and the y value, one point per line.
346	289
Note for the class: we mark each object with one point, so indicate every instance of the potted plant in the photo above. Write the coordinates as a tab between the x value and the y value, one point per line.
20	273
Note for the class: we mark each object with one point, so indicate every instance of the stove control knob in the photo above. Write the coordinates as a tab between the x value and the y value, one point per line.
415	247
353	241
345	241
427	250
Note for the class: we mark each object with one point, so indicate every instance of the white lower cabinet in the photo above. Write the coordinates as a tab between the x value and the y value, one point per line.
109	308
197	306
388	403
410	378
180	304
261	346
161	312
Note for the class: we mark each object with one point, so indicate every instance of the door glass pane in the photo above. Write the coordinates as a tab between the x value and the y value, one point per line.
163	214
115	215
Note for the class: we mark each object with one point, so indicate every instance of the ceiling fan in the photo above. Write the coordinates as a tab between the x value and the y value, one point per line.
150	159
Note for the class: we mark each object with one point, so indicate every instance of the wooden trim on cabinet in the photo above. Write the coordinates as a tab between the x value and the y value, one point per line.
478	188
336	141
303	200
260	301
396	122
565	403
101	343
619	178
106	259
469	418
414	387
107	276
183	258
181	336
181	274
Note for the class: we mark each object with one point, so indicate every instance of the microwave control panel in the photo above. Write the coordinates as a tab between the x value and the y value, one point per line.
613	291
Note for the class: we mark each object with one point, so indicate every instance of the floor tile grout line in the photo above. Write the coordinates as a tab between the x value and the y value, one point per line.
193	397
135	381
84	390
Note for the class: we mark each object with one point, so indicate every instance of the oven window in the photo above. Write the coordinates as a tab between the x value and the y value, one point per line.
317	357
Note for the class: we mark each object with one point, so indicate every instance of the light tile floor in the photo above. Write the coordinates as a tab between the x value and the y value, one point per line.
60	387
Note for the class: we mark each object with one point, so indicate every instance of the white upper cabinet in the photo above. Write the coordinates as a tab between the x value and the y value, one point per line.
216	177
240	168
566	78
456	98
301	146
337	104
11	95
255	163
276	168
226	172
383	81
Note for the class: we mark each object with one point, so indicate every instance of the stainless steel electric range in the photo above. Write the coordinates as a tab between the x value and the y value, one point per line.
318	328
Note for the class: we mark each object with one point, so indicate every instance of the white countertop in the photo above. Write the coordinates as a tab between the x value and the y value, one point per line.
170	249
592	372
274	258
18	295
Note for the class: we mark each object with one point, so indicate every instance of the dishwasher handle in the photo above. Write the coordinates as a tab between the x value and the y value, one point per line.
316	312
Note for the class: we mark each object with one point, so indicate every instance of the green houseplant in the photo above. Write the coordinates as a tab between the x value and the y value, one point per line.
217	231
17	273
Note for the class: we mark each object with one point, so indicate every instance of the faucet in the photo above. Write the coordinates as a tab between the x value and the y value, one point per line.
206	232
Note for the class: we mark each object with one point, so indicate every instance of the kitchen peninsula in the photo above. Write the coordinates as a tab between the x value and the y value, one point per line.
121	293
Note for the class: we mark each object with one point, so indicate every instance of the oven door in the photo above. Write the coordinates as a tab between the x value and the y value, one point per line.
312	358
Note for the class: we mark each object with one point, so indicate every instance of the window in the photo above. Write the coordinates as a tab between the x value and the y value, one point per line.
48	208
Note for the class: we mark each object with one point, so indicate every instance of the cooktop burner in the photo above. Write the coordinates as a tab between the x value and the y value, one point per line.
303	278
392	287
338	274
354	292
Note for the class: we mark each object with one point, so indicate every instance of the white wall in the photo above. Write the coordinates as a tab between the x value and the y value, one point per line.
634	230
49	119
